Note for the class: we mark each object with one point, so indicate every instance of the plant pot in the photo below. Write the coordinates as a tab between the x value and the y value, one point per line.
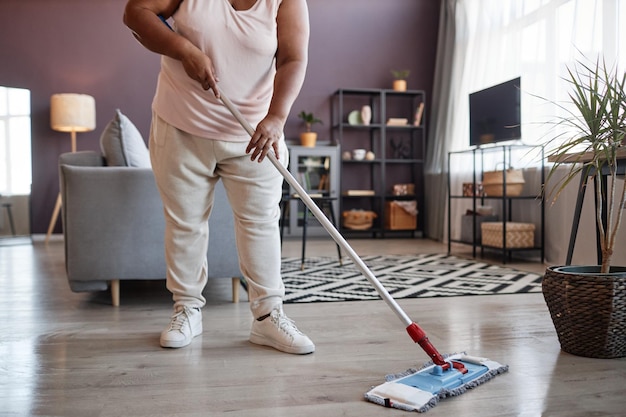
399	85
588	309
308	139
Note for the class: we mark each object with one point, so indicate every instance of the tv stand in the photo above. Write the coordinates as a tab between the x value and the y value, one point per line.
508	207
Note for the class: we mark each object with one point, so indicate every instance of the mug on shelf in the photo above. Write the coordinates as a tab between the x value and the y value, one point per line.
359	154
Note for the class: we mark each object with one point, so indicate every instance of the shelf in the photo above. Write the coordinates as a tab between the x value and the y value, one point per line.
496	248
404	161
376	91
365	161
504	155
407	127
373	126
346	125
508	249
400	151
400	197
519	197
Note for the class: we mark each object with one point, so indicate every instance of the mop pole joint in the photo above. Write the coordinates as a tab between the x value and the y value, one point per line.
419	336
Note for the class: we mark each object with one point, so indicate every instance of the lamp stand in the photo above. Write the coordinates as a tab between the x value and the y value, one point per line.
73	133
57	205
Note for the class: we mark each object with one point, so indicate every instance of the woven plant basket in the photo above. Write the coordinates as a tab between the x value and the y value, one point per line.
588	309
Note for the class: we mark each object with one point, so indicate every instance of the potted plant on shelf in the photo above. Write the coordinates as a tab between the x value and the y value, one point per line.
399	82
588	303
308	138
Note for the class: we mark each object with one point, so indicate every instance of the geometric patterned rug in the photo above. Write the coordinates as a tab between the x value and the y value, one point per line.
403	276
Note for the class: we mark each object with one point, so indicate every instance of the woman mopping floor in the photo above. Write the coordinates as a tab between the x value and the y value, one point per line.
415	390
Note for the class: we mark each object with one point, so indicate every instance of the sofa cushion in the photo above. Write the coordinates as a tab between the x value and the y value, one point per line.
122	144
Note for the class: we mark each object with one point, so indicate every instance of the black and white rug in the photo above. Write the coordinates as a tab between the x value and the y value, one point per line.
404	276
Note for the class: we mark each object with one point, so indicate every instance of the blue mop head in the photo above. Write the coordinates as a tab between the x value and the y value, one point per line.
421	390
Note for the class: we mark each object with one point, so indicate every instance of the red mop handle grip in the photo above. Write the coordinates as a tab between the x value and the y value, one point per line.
419	336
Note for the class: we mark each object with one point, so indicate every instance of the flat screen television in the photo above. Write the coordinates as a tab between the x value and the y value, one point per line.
495	113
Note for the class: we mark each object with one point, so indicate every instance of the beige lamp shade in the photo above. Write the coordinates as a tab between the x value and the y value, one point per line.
72	112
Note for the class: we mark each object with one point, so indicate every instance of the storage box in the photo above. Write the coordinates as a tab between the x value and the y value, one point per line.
472	190
518	235
467	230
401	215
403	189
493	183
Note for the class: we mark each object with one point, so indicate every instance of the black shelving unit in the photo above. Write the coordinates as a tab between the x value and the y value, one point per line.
507	203
400	153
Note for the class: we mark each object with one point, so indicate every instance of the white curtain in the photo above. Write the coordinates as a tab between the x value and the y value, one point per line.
498	40
537	40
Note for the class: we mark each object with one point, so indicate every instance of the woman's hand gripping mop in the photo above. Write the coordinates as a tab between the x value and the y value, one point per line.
414	390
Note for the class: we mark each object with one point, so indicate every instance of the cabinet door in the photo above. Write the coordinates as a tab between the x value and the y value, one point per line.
317	170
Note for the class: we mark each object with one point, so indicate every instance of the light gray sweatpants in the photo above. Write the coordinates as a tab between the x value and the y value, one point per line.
186	168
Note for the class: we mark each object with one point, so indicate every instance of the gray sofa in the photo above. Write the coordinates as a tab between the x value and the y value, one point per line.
113	226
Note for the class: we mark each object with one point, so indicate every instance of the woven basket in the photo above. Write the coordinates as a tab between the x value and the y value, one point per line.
518	235
358	219
493	183
588	309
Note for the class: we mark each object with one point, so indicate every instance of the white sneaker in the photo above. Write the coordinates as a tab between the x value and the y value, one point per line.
185	324
280	332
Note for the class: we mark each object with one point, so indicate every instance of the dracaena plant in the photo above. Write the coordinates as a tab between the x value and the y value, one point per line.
596	127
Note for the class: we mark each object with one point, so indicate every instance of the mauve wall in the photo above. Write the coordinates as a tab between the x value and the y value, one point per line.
64	46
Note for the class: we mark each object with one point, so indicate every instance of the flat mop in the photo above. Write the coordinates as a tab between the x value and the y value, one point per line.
414	390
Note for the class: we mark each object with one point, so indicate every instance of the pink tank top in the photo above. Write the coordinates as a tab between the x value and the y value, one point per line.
242	45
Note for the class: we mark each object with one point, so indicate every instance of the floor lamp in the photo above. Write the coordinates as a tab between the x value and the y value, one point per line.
70	113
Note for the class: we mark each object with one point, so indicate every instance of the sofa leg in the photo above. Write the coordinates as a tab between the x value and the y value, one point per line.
115	292
235	282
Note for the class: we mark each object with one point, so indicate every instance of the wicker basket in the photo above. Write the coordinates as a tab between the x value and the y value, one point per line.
518	235
493	183
358	219
588	309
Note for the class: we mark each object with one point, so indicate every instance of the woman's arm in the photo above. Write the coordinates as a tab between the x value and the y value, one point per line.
142	17
292	55
291	63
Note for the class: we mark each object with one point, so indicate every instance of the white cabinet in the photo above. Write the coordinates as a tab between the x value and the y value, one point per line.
317	170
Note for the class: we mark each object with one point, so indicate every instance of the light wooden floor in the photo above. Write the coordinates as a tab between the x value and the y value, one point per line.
67	354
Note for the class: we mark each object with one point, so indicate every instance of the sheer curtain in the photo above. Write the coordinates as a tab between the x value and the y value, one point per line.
495	41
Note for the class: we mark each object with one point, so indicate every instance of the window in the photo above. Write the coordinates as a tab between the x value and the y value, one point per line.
537	40
15	141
